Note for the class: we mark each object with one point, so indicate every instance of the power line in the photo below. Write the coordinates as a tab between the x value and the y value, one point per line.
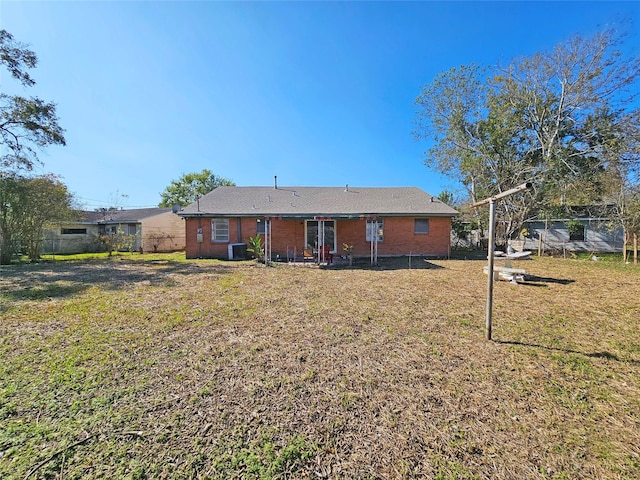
91	202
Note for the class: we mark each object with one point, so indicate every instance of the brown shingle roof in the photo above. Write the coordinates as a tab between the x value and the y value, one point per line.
310	201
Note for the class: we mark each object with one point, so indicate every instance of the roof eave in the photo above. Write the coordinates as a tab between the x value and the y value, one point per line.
344	216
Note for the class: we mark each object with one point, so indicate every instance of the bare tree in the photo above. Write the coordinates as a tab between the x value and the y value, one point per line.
560	119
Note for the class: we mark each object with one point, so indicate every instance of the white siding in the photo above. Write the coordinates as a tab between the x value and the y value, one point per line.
598	237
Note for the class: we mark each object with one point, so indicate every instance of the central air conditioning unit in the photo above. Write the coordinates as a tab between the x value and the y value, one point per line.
237	251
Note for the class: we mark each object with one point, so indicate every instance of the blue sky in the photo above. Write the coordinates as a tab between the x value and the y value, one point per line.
317	93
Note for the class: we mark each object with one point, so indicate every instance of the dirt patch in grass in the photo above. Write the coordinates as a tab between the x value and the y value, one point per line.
134	369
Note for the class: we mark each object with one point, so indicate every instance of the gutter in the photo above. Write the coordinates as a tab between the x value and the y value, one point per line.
312	216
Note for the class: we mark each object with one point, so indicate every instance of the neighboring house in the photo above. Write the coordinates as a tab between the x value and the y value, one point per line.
580	233
394	221
152	229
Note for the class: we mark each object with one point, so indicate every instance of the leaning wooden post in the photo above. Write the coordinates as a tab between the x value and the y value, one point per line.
491	246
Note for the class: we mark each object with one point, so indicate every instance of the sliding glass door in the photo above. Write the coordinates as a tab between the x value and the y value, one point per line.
327	236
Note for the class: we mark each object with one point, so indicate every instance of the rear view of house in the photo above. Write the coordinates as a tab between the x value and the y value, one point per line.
394	220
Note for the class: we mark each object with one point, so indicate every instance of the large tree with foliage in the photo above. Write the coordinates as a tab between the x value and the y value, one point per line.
27	204
191	186
26	123
561	119
623	183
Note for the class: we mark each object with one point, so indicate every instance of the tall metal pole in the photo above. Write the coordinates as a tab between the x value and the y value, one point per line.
490	258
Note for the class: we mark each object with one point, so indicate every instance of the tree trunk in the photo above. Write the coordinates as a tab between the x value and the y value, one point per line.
7	250
635	248
543	237
625	236
539	244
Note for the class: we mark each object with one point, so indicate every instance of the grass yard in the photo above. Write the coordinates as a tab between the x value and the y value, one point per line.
156	367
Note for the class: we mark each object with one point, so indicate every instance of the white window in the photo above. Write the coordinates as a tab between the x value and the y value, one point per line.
261	226
421	225
107	229
375	228
219	229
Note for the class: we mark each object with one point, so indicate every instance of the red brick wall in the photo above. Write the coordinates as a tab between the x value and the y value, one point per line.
288	236
399	237
402	236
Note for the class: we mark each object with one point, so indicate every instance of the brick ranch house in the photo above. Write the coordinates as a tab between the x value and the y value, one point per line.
396	221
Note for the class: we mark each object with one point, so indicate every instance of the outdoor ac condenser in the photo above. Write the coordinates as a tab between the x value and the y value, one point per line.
237	251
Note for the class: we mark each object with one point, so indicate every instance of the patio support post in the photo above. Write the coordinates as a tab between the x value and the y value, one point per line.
267	241
320	239
372	229
323	240
375	246
371	253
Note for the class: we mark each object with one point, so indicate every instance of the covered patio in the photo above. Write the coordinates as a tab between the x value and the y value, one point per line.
320	244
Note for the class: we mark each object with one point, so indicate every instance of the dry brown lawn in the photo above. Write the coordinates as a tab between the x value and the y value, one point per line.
138	368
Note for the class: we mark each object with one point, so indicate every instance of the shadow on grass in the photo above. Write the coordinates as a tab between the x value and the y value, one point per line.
475	255
535	281
391	263
607	355
41	292
64	279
